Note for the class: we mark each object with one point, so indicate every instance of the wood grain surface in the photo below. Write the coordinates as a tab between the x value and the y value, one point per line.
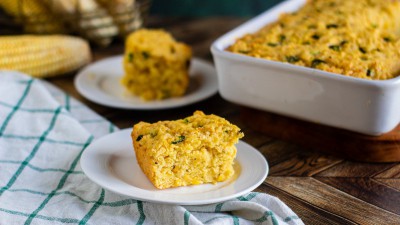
319	187
355	146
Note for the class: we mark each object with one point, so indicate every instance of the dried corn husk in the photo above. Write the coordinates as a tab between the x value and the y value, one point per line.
88	17
125	13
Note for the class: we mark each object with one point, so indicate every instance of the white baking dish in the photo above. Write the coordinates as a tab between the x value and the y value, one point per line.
364	106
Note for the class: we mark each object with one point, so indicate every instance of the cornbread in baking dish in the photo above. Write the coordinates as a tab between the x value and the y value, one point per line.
195	150
156	66
354	38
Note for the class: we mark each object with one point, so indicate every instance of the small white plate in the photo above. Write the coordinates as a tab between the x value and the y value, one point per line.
100	83
111	163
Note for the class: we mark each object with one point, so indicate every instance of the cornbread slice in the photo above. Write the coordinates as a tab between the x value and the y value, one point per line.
195	150
156	66
354	38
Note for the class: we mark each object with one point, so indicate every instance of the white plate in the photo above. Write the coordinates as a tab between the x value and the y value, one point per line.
100	83
110	162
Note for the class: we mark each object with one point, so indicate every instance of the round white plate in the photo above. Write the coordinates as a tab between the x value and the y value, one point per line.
100	83
110	162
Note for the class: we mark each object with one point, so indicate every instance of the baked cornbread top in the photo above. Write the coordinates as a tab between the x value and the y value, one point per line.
190	133
156	66
158	43
355	38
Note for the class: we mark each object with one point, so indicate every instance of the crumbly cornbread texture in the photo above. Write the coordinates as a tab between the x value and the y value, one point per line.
355	38
195	150
156	66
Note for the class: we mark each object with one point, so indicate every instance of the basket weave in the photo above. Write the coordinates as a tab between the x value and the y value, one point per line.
99	26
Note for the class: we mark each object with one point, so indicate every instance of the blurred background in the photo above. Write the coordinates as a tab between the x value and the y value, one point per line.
104	24
241	8
100	21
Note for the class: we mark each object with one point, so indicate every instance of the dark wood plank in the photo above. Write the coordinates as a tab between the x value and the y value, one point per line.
254	138
390	177
355	169
342	143
334	200
276	151
393	172
307	212
234	117
393	183
367	189
304	164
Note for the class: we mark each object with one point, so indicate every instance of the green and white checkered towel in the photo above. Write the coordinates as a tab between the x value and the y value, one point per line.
43	133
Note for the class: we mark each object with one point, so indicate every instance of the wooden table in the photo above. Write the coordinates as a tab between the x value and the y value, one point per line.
320	188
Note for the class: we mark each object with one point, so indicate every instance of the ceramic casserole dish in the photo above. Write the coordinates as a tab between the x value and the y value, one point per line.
370	107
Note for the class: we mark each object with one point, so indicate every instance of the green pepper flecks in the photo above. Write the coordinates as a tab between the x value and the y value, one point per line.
330	26
166	94
362	50
312	26
139	138
292	59
130	57
179	140
282	38
387	39
370	72
244	51
272	44
339	12
145	55
316	37
316	62
335	47
315	53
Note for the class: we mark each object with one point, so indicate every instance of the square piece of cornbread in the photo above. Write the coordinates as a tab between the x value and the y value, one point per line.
195	150
156	66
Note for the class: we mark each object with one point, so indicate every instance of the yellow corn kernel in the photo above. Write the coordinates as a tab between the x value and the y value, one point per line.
35	17
43	55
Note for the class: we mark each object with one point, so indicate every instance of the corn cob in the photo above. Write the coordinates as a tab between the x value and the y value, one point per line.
43	55
35	17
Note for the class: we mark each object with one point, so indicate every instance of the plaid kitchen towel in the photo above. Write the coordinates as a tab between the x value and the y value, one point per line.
43	133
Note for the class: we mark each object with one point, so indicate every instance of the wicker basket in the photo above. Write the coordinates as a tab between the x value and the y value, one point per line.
99	22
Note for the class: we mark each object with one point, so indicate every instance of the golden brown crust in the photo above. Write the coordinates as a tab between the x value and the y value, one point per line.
354	38
156	66
195	150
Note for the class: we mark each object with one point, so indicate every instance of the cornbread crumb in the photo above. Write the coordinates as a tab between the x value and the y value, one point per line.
354	38
156	66
195	150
